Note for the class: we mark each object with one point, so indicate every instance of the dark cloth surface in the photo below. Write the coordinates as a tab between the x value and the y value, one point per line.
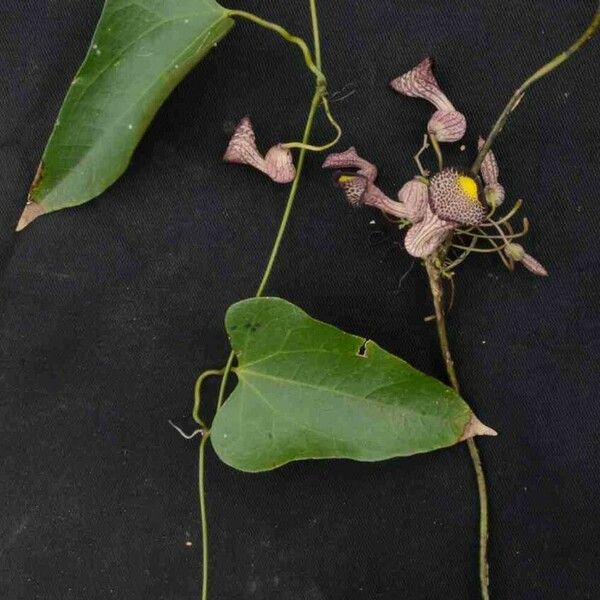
108	312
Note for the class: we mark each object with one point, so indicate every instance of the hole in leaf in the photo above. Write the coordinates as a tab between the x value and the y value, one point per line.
362	351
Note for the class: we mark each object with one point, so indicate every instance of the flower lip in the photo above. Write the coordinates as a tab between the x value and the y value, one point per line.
455	195
420	82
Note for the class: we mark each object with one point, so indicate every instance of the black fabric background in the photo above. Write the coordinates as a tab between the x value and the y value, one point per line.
108	312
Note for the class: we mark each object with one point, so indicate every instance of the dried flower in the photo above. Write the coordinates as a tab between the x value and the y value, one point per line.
277	164
447	124
493	191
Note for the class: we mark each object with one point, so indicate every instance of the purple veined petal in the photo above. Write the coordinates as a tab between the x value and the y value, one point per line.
447	126
377	199
414	194
280	164
489	166
533	265
494	194
242	148
425	237
351	160
421	83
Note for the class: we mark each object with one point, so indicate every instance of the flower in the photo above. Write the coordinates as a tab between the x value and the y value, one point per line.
494	191
517	253
456	196
277	164
434	208
446	124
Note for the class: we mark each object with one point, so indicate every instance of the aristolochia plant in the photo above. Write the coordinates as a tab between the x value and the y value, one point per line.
305	390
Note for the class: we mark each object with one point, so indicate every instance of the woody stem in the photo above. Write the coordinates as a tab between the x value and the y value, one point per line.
437	294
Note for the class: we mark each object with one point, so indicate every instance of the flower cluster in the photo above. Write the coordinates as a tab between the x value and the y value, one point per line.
449	212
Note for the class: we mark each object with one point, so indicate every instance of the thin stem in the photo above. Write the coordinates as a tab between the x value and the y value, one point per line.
313	65
282	227
197	391
314	20
541	72
285	34
203	519
417	157
318	98
491	223
438	151
437	294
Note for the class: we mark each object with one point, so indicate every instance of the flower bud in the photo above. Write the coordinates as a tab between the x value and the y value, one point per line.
517	253
494	194
514	251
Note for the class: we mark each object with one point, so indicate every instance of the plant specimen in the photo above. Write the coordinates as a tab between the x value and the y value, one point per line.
305	389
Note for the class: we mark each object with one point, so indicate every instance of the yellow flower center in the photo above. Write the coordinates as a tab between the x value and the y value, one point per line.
346	178
469	187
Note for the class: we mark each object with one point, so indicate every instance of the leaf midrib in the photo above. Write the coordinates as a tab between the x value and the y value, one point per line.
352	397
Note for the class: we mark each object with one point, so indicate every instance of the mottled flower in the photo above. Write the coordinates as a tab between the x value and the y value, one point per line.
435	208
278	163
494	191
359	187
446	124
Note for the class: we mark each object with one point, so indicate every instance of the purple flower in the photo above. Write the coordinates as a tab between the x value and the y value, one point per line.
435	208
278	163
446	124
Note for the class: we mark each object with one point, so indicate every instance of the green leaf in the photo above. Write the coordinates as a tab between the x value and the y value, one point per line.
140	51
308	390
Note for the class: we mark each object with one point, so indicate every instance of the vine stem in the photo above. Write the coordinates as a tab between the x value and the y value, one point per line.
203	519
313	65
435	284
585	37
318	98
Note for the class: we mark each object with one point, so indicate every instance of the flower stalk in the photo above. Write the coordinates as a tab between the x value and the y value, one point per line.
435	284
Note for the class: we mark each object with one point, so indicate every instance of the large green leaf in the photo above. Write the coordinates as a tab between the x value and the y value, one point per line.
140	51
308	390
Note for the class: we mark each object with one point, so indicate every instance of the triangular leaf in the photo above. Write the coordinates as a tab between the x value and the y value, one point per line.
308	390
140	51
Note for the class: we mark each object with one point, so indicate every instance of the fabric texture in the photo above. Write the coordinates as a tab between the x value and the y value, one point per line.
108	313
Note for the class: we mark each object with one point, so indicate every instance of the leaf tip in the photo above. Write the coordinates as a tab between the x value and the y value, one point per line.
31	212
476	427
